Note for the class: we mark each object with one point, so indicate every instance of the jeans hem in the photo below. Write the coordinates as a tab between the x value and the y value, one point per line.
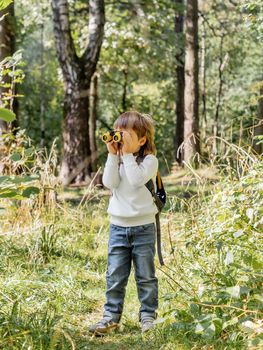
143	315
112	316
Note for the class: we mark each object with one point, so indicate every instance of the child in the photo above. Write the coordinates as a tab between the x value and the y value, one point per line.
132	221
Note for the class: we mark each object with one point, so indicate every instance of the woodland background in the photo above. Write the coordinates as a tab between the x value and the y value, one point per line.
67	70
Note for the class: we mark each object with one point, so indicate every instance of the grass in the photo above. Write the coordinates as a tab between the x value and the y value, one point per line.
52	277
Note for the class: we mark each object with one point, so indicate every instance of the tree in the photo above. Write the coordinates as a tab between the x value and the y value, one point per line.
93	120
77	73
179	30
191	122
258	130
7	48
254	12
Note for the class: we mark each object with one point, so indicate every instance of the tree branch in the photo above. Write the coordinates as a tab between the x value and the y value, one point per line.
96	31
64	43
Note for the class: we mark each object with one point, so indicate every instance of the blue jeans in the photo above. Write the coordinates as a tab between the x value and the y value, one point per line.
126	245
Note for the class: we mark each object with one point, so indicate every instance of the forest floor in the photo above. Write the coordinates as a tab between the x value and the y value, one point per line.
53	277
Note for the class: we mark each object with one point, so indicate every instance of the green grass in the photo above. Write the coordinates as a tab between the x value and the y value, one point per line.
52	278
53	284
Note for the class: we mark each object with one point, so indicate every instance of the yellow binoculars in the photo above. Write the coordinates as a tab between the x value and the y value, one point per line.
108	136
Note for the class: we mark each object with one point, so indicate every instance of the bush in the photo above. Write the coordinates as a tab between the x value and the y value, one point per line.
218	270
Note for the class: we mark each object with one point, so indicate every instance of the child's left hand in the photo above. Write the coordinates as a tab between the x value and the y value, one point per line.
127	143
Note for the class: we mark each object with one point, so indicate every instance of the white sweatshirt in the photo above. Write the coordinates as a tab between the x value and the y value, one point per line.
131	203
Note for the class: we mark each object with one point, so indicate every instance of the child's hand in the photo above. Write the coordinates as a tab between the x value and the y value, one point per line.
112	147
127	143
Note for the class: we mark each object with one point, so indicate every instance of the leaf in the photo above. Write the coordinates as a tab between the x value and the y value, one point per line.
248	326
199	328
15	157
3	178
233	291
200	291
206	329
29	151
160	320
250	213
8	194
238	233
195	310
4	4
30	190
7	115
230	322
229	258
219	245
18	179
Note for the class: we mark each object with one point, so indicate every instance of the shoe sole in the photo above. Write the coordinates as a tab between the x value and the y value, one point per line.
102	332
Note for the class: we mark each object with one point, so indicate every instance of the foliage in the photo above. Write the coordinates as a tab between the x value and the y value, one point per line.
4	4
217	273
43	85
137	64
53	261
253	16
7	115
137	67
10	67
38	329
28	172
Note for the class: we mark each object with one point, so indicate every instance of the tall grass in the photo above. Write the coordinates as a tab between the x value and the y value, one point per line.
215	266
53	262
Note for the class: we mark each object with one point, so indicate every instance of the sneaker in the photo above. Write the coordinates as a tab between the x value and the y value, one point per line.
103	327
147	324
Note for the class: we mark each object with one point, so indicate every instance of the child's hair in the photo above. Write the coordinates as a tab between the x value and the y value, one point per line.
142	124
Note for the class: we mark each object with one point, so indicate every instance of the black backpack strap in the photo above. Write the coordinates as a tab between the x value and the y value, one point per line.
150	186
158	236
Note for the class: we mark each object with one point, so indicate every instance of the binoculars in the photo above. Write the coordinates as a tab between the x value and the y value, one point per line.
108	136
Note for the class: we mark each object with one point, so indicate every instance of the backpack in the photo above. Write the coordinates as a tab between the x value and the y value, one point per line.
159	198
160	194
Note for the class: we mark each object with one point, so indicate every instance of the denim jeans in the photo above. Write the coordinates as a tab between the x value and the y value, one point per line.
126	245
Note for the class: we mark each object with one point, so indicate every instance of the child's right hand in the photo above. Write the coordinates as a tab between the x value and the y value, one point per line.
112	147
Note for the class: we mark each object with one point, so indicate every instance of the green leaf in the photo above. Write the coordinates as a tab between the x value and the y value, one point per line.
29	151
15	157
238	233
250	213
18	179
248	326
30	190
206	329
229	258
4	4
230	322
7	115
8	194
234	291
3	178
199	329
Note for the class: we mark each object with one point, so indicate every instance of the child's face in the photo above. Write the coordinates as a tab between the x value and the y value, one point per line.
130	142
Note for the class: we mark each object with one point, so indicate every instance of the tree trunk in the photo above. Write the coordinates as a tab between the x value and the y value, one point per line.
203	79
191	122
77	74
93	119
222	63
7	48
179	29
259	128
124	91
42	89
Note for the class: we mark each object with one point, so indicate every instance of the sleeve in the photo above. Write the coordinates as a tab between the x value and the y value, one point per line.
138	175
111	176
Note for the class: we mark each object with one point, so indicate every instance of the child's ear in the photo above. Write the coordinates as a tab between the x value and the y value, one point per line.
142	140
